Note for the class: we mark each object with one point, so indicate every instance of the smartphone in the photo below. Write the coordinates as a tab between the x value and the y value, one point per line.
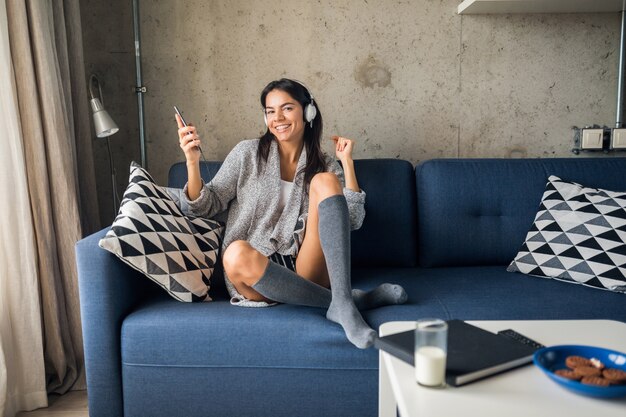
180	115
182	119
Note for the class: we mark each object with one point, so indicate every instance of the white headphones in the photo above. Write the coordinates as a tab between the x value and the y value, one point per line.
310	111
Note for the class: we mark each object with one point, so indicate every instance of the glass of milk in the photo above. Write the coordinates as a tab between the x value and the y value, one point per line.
431	347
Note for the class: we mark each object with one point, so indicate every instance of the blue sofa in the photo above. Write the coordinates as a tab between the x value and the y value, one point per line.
445	230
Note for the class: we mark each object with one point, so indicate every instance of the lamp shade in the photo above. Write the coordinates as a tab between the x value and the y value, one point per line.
104	125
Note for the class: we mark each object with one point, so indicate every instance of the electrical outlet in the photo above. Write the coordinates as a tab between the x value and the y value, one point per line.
618	138
592	139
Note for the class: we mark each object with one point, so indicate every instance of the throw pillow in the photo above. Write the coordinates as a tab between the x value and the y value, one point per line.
152	235
579	235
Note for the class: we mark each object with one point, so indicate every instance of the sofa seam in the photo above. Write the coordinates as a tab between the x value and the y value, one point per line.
140	365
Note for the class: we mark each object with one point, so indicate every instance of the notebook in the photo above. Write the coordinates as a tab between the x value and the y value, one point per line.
473	353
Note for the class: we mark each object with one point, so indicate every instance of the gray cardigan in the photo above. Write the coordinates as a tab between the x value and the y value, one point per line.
251	197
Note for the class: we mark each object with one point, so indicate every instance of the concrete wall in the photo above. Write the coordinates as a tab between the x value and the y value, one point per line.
406	79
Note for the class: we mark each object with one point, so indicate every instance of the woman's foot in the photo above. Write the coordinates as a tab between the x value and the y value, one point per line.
357	331
384	295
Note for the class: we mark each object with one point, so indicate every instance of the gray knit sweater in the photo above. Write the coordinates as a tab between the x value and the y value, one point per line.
251	198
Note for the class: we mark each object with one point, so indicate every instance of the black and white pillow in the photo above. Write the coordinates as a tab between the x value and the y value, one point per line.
152	235
579	235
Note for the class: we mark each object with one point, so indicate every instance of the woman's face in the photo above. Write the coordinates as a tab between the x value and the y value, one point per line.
284	116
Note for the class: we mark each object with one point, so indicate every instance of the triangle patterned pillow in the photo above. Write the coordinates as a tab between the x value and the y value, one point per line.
579	236
152	235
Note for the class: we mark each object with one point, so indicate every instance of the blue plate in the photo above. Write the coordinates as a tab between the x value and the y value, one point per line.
552	358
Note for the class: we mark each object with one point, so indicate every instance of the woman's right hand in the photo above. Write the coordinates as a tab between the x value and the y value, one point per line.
190	144
189	141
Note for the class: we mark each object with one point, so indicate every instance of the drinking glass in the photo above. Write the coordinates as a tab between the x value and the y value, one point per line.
431	347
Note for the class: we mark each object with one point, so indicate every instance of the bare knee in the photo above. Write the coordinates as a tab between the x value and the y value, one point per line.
325	184
243	264
234	254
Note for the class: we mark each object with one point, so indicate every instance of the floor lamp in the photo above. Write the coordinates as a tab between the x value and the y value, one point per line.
105	127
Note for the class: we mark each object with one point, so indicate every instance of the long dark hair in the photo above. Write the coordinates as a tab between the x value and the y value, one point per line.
315	161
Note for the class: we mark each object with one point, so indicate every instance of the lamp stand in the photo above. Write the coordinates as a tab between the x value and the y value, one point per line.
140	89
113	180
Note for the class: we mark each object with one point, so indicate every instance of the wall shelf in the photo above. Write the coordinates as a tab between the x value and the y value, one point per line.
539	6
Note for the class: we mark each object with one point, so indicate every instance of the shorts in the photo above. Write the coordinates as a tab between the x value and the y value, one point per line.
287	261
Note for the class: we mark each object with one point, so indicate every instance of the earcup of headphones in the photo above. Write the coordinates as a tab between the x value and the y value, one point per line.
310	112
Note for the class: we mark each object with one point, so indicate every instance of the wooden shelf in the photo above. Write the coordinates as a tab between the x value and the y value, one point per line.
538	6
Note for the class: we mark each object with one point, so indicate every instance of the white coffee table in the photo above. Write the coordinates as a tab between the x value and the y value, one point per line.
523	392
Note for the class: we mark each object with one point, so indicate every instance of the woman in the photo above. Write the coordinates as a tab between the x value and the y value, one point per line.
289	216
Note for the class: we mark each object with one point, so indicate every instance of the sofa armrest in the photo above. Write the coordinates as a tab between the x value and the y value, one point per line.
109	290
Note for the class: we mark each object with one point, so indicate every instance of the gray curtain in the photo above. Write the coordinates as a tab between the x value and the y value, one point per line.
46	49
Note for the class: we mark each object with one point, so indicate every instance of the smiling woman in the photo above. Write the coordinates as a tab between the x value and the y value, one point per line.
285	121
291	117
290	212
283	117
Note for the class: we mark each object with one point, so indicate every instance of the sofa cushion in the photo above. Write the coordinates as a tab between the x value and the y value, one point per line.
477	211
152	235
166	333
492	293
579	236
388	236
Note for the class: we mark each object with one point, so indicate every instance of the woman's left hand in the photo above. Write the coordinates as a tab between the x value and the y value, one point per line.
343	148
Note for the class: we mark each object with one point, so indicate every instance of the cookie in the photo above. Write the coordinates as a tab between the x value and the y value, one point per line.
595	380
573	362
614	376
567	373
583	371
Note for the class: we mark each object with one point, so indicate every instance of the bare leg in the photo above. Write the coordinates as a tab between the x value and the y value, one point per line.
311	263
244	266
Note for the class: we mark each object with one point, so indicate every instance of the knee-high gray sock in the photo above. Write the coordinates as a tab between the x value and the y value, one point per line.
383	295
285	286
334	231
